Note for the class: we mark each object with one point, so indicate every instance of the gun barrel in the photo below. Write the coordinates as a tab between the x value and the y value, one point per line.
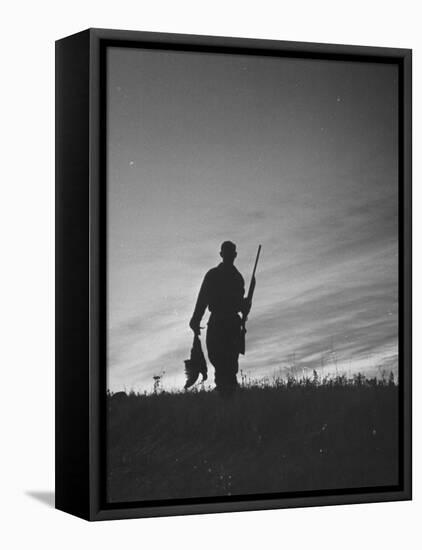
256	260
249	297
251	287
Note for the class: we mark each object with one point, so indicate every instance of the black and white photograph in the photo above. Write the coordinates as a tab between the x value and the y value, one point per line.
210	303
252	275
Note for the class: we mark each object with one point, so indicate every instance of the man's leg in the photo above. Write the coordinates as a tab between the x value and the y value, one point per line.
234	369
220	375
223	352
231	369
215	353
224	374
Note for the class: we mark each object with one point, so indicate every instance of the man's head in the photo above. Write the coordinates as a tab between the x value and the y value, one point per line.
228	252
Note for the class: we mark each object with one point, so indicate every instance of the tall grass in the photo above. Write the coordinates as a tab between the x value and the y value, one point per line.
278	435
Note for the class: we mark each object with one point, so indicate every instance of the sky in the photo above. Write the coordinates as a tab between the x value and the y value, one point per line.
298	155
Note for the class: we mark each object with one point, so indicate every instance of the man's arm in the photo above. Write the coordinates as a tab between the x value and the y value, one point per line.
200	307
246	307
244	303
247	302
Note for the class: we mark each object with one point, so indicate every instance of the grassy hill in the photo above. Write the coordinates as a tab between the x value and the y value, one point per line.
290	436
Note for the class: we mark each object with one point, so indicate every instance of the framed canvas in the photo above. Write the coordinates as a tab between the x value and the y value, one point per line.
233	244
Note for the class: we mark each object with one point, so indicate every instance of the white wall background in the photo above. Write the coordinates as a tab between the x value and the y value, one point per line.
27	271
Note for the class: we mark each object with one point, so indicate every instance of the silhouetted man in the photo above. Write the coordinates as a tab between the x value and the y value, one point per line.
222	291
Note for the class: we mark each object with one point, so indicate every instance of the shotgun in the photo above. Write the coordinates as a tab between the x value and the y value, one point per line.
249	301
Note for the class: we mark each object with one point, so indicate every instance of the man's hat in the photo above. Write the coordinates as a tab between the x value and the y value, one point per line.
228	246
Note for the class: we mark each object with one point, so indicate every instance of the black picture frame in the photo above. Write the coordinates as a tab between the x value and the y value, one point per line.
81	260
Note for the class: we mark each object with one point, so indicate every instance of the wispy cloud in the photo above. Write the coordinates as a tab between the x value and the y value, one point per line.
273	158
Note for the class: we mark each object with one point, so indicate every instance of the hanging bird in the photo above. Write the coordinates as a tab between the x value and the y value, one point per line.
196	365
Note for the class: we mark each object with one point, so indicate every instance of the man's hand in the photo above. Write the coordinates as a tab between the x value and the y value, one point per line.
194	325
